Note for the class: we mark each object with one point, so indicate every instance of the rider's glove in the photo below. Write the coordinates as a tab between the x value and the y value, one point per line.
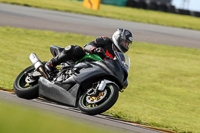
100	51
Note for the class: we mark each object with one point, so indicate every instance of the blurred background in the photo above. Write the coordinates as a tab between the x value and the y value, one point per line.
183	7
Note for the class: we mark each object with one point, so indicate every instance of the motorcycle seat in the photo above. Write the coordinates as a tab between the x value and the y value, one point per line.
55	50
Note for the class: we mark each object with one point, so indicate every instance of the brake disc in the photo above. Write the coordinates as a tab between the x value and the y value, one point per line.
94	100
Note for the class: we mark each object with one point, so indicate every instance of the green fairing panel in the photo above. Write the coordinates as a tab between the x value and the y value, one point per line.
90	56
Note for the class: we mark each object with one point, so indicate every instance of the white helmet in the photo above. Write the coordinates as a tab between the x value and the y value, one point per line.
122	39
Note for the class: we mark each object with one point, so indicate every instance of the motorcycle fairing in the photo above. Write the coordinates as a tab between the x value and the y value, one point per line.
66	92
102	69
90	72
57	93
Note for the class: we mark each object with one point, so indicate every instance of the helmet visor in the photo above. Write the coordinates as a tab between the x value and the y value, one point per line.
125	44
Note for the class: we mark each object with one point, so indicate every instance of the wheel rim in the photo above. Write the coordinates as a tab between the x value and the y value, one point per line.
97	101
22	83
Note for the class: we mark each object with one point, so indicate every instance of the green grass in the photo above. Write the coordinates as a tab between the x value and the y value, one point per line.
163	86
20	119
124	13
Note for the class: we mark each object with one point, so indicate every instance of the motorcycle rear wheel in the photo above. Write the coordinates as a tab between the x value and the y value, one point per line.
108	100
23	89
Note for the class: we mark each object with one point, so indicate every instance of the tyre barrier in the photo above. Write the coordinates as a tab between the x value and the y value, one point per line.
193	13
132	3
184	12
158	6
172	9
152	6
163	7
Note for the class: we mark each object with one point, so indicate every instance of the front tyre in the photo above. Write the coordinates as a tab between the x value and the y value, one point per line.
25	86
95	105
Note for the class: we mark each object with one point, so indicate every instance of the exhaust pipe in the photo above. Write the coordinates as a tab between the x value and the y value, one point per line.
35	61
37	64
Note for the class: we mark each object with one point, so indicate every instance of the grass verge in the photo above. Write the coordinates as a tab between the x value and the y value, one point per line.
20	119
163	86
123	13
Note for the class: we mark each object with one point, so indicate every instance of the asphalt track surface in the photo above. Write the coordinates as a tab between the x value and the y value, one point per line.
100	121
33	18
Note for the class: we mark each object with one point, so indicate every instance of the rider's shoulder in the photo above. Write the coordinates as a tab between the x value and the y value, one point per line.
103	39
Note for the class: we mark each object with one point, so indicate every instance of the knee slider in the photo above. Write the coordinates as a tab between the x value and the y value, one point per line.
78	53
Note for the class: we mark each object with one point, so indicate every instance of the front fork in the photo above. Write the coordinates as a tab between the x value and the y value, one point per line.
37	64
100	87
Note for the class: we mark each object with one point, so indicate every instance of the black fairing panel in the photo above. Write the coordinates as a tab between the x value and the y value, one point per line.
117	69
101	68
57	93
88	73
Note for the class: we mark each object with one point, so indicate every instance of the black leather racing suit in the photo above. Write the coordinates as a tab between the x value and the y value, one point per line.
74	52
101	42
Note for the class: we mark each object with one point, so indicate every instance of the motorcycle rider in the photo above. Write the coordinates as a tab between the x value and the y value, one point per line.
103	46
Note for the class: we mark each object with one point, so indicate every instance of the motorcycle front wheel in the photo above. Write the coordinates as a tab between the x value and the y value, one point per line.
25	86
93	105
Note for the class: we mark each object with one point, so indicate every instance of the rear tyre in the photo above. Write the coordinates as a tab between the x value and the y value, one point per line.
95	105
23	89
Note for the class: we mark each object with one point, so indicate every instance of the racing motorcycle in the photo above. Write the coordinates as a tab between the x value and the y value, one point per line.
92	84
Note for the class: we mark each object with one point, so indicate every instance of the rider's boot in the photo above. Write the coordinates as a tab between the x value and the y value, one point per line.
50	65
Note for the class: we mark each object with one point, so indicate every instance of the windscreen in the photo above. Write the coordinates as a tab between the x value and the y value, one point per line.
124	60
